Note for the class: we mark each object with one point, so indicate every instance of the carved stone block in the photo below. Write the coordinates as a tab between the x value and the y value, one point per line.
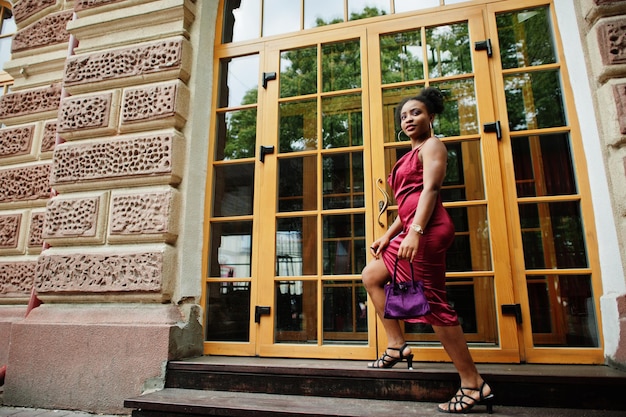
148	216
154	61
49	137
140	160
16	278
72	221
155	106
612	39
81	5
25	9
35	231
619	92
10	230
50	30
88	116
25	184
16	141
31	105
100	272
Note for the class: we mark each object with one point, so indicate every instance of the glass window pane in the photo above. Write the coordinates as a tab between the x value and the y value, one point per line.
228	311
296	312
534	100
233	190
298	126
460	114
401	57
341	66
464	179
8	23
552	235
471	249
343	180
342	121
562	310
344	244
231	249
543	165
241	20
449	50
280	16
298	72
361	9
474	301
239	81
345	312
236	135
526	38
297	184
322	12
296	246
409	5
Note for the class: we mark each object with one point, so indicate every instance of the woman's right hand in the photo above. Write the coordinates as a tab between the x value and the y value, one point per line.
378	245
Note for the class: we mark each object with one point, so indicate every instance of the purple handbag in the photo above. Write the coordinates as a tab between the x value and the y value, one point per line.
405	300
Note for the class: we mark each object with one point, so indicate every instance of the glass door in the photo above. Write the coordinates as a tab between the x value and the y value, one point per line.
314	219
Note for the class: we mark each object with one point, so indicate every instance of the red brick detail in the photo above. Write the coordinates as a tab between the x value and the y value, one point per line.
612	39
27	8
90	4
16	278
35	231
87	112
10	230
25	184
76	217
50	30
16	141
28	102
49	137
98	273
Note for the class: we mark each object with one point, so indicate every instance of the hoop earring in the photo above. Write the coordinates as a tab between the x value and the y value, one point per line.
399	140
432	131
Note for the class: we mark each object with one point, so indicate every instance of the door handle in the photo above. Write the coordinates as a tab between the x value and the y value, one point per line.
382	204
261	311
265	150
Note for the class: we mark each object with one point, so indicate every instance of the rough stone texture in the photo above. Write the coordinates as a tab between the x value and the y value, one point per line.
155	102
10	230
49	137
148	215
30	102
124	63
16	141
24	9
112	159
48	31
97	273
612	39
117	351
8	316
86	113
81	5
16	278
35	231
619	92
71	218
25	184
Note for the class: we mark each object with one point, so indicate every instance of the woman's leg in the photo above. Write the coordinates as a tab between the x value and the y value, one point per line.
454	343
375	276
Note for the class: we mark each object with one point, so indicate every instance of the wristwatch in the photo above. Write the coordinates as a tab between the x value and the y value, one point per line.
417	229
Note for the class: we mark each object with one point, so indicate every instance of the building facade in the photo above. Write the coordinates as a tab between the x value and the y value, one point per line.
184	178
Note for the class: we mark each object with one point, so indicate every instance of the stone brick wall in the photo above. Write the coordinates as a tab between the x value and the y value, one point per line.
603	23
112	110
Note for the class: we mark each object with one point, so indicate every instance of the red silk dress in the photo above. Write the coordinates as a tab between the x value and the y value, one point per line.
407	181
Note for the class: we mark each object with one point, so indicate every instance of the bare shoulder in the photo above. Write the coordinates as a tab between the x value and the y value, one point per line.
434	146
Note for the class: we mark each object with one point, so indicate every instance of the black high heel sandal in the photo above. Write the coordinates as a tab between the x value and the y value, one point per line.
388	361
467	402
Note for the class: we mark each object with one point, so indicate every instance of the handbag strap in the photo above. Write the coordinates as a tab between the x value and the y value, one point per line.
395	268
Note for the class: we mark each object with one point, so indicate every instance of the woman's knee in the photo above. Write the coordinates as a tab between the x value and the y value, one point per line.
374	274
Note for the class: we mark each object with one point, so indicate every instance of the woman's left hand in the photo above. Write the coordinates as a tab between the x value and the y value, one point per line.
409	245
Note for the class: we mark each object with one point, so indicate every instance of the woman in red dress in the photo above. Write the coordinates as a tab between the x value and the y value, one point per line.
419	238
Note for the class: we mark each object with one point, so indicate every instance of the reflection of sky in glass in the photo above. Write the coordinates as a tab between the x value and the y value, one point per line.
5	51
327	10
357	6
280	16
408	5
8	25
243	76
247	20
